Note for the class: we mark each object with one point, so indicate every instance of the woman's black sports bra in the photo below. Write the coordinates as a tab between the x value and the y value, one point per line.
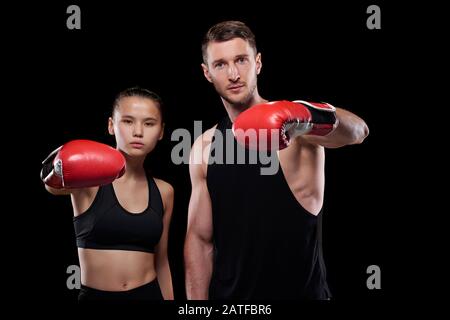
107	225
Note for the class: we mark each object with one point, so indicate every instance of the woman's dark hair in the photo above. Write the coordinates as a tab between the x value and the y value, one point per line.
139	92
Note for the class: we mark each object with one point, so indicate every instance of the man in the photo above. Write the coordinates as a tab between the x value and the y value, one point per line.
250	235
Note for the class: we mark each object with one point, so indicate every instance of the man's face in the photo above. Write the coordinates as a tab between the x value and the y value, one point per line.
232	67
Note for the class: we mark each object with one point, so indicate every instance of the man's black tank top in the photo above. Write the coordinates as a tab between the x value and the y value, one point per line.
266	245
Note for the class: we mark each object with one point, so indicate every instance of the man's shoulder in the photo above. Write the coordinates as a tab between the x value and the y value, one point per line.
200	150
206	136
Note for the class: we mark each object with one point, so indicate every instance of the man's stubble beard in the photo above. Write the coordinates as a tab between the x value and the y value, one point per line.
243	103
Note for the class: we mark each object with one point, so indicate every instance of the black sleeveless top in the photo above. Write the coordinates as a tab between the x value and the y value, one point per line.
107	225
266	245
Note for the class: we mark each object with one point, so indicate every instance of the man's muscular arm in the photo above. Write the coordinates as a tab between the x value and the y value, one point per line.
350	129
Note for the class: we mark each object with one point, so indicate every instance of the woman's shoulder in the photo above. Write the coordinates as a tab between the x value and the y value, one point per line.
165	189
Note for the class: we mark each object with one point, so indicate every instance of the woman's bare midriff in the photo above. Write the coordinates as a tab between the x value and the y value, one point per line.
116	270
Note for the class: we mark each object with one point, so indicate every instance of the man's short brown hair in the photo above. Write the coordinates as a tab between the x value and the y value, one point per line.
225	31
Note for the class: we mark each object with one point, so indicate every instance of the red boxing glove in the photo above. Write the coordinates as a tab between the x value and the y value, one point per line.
81	164
282	120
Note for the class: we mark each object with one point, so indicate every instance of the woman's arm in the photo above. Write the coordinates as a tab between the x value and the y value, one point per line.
161	257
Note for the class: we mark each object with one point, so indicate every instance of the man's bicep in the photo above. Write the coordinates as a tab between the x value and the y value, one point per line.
200	211
318	141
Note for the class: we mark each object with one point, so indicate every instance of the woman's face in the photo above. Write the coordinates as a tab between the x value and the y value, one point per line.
137	125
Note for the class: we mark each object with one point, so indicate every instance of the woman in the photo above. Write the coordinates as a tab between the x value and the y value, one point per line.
122	226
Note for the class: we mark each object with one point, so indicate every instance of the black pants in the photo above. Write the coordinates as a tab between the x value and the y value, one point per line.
146	292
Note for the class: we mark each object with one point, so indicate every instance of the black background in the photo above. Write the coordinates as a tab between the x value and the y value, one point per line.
312	51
